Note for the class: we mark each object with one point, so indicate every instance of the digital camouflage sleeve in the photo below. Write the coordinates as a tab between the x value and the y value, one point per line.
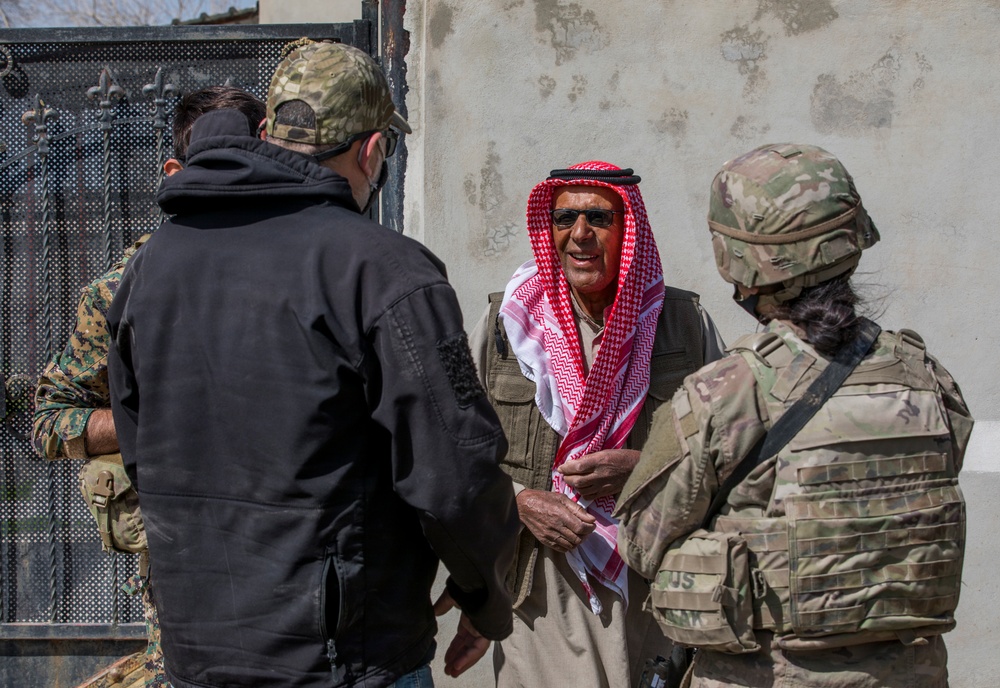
75	382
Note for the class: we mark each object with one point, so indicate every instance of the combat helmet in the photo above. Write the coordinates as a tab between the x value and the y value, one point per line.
788	215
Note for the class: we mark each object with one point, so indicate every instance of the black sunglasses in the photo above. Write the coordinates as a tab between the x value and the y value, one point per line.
596	217
391	139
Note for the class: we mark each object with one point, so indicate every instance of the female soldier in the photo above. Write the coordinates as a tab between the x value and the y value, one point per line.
833	559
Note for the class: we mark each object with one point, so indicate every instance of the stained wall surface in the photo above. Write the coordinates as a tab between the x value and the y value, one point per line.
308	11
907	94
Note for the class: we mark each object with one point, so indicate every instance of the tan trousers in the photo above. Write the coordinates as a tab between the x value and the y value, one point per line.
557	641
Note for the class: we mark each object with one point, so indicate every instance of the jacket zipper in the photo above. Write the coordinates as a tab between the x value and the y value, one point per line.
331	649
341	671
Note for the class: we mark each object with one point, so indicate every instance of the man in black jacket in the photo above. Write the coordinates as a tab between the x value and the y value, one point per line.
298	385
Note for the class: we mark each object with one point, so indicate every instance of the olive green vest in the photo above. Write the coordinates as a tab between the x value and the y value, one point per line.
864	534
678	351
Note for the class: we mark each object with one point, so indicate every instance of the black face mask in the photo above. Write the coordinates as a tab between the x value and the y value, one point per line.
375	188
748	303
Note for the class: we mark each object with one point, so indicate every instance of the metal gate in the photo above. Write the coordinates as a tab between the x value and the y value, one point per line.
85	125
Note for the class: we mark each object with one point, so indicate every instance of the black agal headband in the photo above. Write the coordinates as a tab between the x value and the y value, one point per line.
616	177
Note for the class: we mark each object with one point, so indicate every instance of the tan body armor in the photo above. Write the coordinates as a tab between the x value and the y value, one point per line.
678	350
863	537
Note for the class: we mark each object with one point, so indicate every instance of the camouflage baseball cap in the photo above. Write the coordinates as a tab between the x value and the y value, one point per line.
344	87
787	214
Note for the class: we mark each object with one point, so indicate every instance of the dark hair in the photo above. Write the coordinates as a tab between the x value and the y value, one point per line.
827	313
197	103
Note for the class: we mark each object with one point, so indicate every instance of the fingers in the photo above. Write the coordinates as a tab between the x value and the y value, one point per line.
539	505
558	544
567	533
592	486
582	466
444	604
584	516
467	648
583	482
601	474
588	485
564	542
554	519
573	468
607	461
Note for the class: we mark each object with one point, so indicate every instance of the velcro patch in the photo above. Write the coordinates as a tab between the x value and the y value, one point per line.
682	407
689	425
460	369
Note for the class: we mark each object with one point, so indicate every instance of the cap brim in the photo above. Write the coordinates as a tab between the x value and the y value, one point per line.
397	122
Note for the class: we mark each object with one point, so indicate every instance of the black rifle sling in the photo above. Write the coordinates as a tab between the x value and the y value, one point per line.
796	417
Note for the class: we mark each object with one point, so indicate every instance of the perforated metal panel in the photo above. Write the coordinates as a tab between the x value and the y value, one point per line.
84	129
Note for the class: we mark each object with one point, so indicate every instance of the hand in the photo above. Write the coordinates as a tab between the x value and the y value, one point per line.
600	474
554	519
467	647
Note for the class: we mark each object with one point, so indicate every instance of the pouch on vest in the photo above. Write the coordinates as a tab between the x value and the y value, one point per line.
113	503
701	595
885	558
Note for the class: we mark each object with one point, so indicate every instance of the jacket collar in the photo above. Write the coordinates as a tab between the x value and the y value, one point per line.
227	164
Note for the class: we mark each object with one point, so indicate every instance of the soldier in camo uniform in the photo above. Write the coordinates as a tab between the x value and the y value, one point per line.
72	403
838	561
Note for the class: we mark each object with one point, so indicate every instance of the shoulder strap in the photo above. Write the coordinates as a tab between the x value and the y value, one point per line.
795	418
498	333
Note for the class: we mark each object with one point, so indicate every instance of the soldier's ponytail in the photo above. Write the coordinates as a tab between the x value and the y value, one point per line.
827	313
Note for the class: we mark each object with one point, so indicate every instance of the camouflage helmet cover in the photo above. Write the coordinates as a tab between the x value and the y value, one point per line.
787	214
344	87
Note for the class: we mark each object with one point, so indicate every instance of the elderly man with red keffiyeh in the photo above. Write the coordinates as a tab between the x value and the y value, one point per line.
578	351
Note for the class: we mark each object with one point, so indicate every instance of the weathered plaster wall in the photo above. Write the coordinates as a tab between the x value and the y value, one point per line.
308	11
506	90
906	93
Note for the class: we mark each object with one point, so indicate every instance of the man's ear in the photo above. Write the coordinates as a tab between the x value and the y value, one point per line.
172	166
368	158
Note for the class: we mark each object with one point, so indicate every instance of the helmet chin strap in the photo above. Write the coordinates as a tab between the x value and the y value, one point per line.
790	289
751	303
747	303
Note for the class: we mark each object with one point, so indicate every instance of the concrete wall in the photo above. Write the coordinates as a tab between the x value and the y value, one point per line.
906	93
308	11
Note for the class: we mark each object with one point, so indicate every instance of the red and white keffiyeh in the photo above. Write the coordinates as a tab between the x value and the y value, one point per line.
592	411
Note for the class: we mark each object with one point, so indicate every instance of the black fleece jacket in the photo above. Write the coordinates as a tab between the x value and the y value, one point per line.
297	406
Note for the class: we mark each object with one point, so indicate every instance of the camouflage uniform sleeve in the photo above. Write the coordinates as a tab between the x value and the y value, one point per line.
75	382
959	418
694	444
